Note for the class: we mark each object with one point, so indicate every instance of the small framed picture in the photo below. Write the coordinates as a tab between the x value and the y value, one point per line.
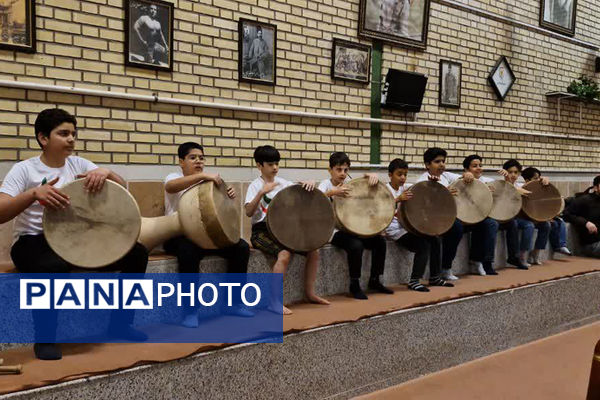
149	34
502	78
350	61
257	52
450	82
17	25
558	15
401	22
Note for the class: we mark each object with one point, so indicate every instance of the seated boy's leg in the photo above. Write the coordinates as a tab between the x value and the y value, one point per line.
554	236
135	261
543	229
310	277
378	248
420	247
559	243
483	244
435	262
32	254
354	249
450	242
237	257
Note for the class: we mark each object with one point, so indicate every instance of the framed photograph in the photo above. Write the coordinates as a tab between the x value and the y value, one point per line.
149	34
350	61
502	78
257	52
450	82
17	25
402	22
558	15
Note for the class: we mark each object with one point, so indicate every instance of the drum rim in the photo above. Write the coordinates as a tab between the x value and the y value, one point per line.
507	184
550	186
479	183
295	186
362	235
95	265
403	209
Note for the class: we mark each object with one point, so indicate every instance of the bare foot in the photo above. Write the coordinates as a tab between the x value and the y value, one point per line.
280	309
313	298
286	311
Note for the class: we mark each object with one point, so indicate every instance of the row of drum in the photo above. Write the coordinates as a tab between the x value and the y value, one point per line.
100	228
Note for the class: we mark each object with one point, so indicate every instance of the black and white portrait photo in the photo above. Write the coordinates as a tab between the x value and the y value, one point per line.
17	25
502	78
402	22
558	15
257	48
450	81
350	61
149	34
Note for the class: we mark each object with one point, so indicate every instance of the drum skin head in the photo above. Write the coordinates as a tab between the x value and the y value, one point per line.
473	202
507	201
544	202
367	211
431	211
209	217
300	220
97	229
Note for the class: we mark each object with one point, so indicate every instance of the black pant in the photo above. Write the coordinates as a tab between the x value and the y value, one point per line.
32	254
189	255
421	247
354	247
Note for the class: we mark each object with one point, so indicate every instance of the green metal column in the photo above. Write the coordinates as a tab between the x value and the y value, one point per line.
376	101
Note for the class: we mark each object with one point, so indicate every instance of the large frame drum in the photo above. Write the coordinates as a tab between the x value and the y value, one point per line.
543	203
431	211
97	229
507	201
300	220
474	201
367	211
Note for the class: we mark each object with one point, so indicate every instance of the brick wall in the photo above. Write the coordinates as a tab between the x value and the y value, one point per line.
80	43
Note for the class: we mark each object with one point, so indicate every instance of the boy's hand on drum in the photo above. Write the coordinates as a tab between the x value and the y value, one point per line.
433	178
503	172
94	180
405	196
524	192
216	178
269	186
468	177
231	192
340	190
373	179
49	196
545	181
591	227
309	186
453	191
492	188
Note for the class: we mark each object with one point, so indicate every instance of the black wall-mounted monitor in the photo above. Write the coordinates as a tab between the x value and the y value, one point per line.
404	90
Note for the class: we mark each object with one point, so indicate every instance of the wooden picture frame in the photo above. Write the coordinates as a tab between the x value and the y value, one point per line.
18	32
350	61
257	52
502	78
450	84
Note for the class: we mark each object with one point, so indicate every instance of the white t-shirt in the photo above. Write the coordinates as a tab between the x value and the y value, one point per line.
395	230
485	179
172	199
255	187
31	173
446	179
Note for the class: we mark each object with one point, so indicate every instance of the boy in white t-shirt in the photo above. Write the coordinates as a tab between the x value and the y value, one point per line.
435	162
35	183
189	254
420	245
260	193
339	166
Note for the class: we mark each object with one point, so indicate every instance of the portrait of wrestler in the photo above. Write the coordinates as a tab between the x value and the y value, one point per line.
149	33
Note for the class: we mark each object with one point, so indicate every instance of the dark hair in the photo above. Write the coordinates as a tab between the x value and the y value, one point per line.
263	154
49	119
433	152
467	161
529	172
338	158
397	163
512	163
595	182
184	149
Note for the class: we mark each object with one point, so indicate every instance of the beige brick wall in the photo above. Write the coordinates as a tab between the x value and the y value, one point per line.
80	43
